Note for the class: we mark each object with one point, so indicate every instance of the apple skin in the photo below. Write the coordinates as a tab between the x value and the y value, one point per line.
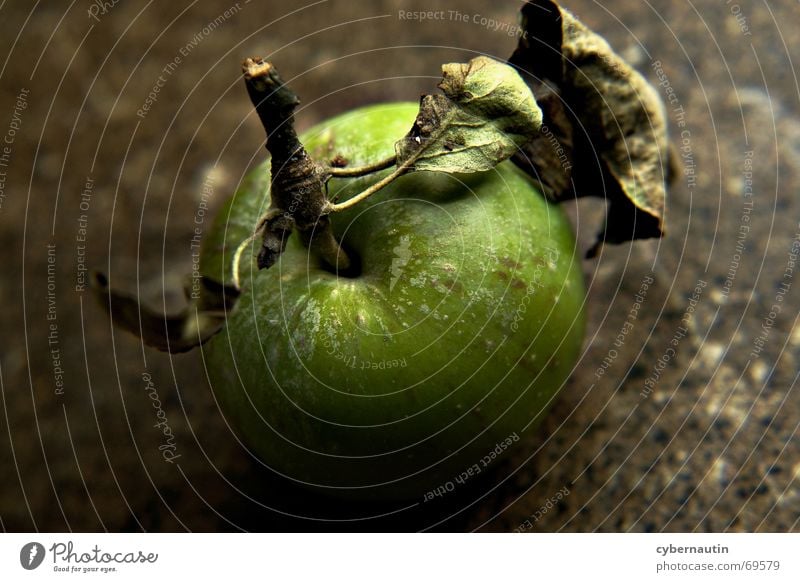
465	321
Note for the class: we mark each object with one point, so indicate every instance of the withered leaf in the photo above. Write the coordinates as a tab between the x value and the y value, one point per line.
604	130
486	113
202	318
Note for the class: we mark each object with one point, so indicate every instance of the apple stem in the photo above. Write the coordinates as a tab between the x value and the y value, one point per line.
237	256
379	185
357	171
297	191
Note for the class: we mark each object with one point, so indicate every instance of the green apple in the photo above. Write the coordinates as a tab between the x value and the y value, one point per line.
443	347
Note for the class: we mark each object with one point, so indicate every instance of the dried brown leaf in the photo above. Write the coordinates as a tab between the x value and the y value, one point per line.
203	317
604	130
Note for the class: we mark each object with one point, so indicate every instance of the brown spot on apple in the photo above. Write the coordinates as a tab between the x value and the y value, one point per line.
339	161
510	263
453	285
